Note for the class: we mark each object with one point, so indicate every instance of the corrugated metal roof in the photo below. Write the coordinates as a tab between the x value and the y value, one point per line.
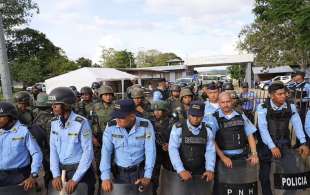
279	69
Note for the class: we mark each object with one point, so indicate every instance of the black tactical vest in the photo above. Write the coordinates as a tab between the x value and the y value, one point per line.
278	121
193	148
231	134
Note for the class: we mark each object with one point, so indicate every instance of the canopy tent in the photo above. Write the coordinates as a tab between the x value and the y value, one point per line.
86	76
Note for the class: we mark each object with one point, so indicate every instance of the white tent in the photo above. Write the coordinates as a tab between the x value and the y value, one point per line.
86	76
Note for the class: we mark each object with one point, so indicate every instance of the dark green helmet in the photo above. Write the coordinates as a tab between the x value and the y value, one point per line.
42	100
137	93
86	90
23	97
186	92
62	95
160	105
8	109
105	89
175	88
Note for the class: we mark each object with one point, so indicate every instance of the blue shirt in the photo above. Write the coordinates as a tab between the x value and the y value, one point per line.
129	149
263	126
175	143
71	144
210	108
18	148
306	88
157	96
307	123
249	128
250	104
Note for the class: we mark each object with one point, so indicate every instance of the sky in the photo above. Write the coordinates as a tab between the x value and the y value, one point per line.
189	28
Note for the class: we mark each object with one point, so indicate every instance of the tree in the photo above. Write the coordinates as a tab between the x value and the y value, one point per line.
61	65
237	72
154	58
17	12
280	33
83	62
117	59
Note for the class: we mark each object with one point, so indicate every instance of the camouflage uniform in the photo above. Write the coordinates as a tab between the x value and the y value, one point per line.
180	112
25	117
85	107
146	105
162	129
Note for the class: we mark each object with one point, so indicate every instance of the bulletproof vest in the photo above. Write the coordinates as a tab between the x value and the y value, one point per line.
231	134
193	148
278	121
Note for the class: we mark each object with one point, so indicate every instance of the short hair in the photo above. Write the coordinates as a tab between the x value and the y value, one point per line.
225	94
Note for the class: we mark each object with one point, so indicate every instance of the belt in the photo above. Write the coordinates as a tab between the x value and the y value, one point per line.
16	170
69	167
131	168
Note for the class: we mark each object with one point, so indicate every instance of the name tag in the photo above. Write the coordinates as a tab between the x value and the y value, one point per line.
236	189
141	137
17	138
73	134
117	136
292	181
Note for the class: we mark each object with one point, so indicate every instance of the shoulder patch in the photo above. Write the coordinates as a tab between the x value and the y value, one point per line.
111	123
144	124
79	119
178	124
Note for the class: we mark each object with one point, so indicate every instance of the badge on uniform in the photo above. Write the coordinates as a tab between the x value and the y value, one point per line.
86	134
17	138
73	134
148	135
117	136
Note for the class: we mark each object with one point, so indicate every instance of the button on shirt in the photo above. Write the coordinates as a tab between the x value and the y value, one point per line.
71	144
263	126
249	128
17	146
129	149
175	143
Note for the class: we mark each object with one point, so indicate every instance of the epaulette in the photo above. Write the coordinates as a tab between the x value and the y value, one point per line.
144	124
178	124
79	119
111	123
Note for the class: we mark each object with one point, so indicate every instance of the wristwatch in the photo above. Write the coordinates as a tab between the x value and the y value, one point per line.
34	175
254	153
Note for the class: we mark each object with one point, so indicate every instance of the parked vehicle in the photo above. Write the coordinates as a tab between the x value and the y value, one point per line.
265	84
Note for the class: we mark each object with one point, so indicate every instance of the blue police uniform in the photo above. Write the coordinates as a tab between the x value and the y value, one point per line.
132	151
157	95
175	143
307	124
249	128
18	149
271	118
71	149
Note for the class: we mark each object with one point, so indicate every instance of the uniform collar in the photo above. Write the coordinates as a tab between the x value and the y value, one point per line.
233	114
191	127
69	120
13	129
275	107
298	84
133	129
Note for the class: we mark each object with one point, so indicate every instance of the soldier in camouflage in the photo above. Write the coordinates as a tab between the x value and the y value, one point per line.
86	105
186	97
143	106
174	99
162	126
24	101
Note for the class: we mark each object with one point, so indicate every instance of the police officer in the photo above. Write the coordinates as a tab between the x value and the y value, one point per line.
211	105
186	97
143	106
248	101
274	117
131	140
21	157
174	99
191	146
161	93
23	101
233	133
71	148
163	125
85	106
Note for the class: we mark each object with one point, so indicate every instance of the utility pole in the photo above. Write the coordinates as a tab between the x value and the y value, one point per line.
4	67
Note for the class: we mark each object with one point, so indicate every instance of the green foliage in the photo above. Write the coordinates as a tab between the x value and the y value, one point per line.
83	62
280	34
34	58
117	59
17	12
154	58
236	71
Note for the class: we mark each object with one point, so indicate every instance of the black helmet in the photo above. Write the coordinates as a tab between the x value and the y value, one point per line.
23	97
95	85
86	90
62	95
73	88
228	86
8	109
